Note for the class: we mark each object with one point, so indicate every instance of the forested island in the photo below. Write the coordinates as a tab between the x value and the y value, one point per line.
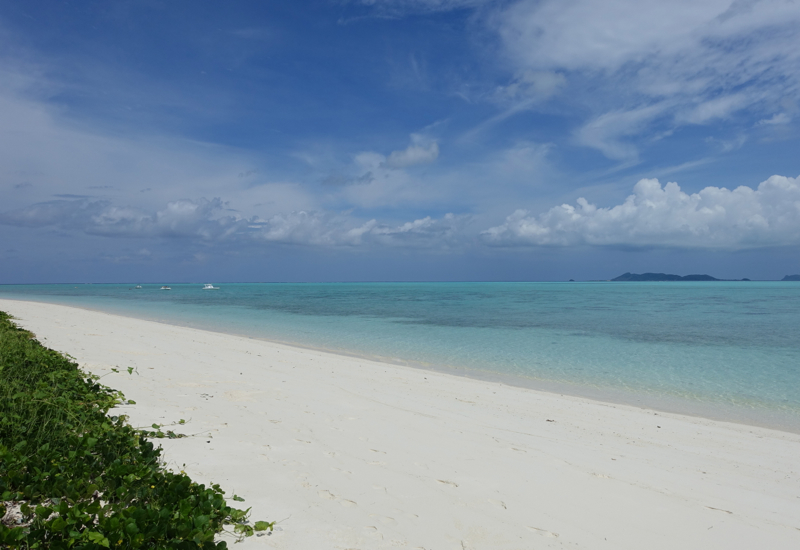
636	277
663	277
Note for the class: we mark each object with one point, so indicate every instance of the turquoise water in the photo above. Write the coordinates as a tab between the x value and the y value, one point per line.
727	350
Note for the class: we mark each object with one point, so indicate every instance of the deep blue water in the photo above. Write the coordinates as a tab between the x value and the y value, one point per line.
725	349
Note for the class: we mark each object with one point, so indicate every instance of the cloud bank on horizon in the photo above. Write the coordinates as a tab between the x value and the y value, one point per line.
652	216
666	216
464	126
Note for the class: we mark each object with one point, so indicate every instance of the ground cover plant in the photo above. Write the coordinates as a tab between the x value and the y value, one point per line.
73	476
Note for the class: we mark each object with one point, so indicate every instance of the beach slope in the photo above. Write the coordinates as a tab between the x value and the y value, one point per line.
347	453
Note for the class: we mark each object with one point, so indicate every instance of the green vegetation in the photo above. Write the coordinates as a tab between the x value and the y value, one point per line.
79	478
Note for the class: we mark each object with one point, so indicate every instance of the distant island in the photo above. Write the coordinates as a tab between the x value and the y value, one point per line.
636	277
663	277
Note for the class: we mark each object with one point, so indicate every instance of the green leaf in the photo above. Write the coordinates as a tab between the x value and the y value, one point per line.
200	521
264	525
238	515
59	439
43	511
97	538
244	530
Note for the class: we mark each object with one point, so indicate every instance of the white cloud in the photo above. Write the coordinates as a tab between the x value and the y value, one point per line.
529	84
369	160
700	61
44	155
375	180
606	36
525	91
210	222
402	7
137	186
202	219
717	108
422	150
667	217
653	216
605	132
55	156
524	160
449	230
487	183
727	145
308	228
325	229
777	118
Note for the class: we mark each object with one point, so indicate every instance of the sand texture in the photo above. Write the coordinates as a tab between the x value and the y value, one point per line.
347	453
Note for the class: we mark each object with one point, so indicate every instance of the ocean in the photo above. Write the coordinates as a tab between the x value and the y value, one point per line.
724	350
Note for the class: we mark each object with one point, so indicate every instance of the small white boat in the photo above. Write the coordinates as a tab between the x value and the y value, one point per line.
209	286
165	288
138	286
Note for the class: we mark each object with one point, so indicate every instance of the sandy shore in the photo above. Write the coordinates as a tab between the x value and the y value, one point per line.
351	454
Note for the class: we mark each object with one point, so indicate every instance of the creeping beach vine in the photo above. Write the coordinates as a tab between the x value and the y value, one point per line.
73	476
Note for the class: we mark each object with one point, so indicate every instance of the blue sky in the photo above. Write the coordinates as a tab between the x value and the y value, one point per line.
398	139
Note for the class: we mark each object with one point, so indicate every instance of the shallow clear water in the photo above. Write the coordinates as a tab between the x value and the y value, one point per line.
725	349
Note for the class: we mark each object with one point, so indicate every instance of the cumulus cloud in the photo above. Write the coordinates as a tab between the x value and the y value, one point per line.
667	217
422	150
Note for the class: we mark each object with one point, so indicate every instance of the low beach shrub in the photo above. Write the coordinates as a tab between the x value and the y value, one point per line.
73	476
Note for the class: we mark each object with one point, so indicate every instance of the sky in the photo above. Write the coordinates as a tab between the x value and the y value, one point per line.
398	140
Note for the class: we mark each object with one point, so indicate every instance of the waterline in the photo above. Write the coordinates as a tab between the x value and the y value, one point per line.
722	350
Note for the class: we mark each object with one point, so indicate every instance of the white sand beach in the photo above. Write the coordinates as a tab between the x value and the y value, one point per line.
347	453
